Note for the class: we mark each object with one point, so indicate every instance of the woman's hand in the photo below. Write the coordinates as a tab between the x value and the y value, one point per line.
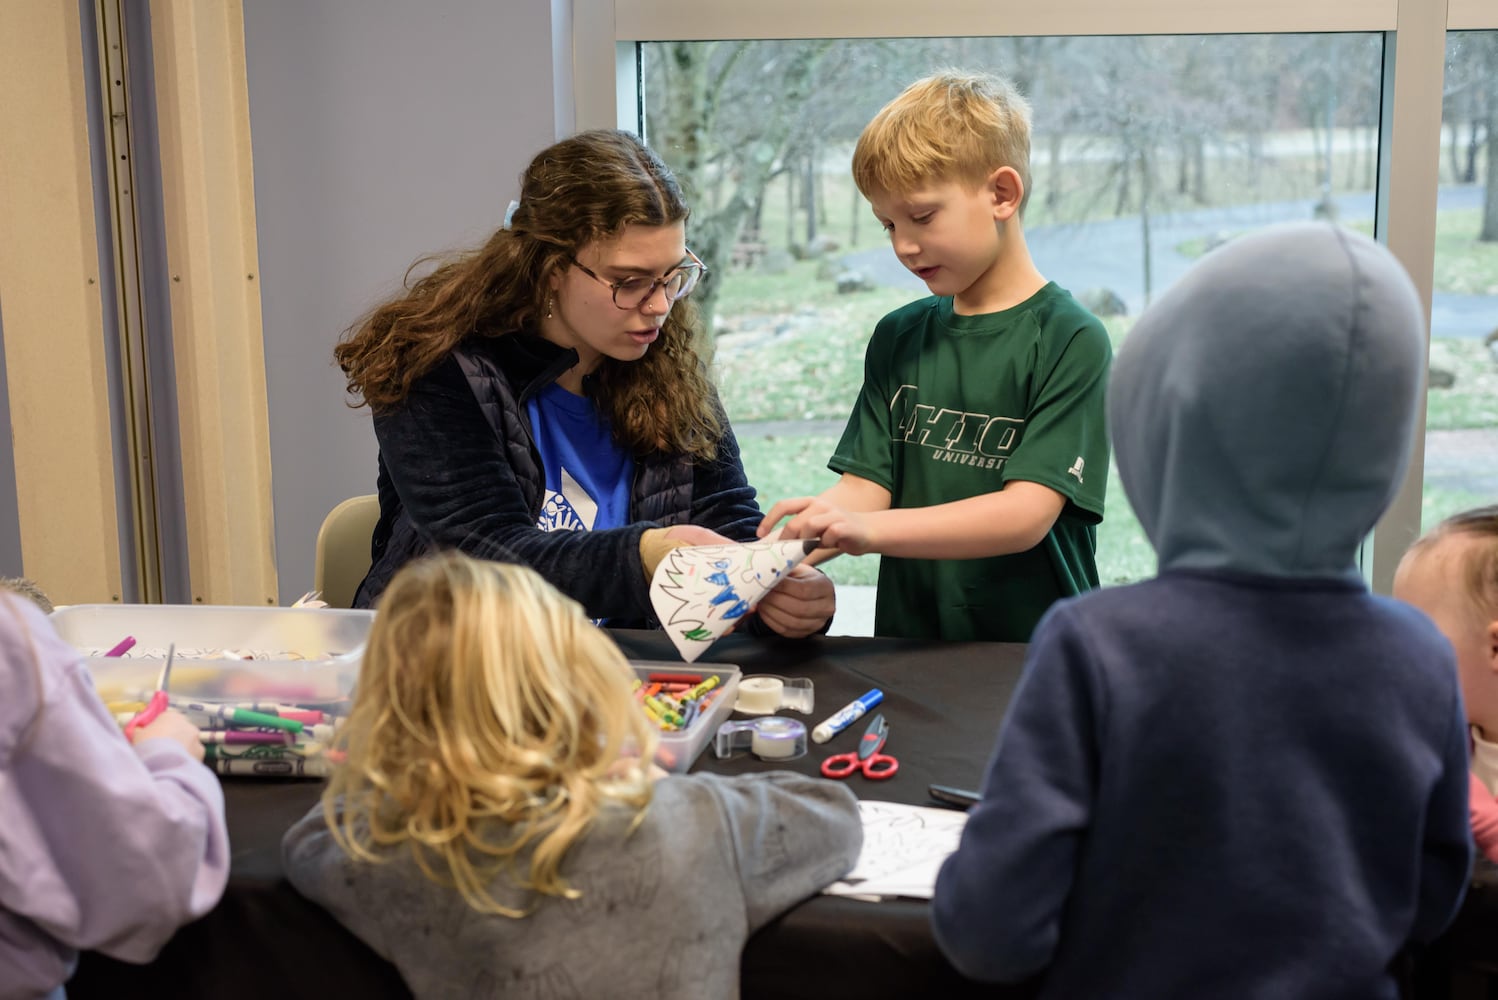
656	542
691	534
800	604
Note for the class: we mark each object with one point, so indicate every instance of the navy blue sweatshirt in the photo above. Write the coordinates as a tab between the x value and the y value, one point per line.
1247	776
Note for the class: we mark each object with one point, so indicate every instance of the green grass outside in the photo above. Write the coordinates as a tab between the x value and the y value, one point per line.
795	465
812	373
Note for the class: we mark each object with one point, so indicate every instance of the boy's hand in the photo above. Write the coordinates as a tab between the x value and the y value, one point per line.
812	517
800	604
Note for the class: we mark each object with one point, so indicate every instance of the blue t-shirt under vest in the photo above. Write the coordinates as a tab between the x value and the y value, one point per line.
588	476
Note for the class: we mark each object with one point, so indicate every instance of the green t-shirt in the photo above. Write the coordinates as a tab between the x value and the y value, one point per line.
956	406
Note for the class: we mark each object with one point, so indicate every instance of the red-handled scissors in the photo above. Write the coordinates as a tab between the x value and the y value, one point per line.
875	766
158	702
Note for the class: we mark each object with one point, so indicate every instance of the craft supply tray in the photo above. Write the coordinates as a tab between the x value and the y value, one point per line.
678	750
304	656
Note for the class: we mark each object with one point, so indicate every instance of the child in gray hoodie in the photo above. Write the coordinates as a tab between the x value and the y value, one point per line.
496	826
1247	776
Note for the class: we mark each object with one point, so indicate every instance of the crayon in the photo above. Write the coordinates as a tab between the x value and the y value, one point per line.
705	686
687	679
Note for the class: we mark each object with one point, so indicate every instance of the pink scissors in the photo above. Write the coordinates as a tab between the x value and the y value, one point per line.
875	766
158	702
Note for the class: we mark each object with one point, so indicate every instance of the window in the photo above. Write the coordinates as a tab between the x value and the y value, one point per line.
1146	152
1461	439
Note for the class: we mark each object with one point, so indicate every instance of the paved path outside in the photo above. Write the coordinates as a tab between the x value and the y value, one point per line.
1106	254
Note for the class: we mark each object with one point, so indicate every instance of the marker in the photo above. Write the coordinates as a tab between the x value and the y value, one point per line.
845	717
236	736
279	767
122	647
239	716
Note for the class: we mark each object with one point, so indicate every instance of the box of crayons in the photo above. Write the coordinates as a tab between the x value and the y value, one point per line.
688	702
267	687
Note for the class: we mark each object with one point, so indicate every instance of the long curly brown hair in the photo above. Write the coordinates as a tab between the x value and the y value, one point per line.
587	187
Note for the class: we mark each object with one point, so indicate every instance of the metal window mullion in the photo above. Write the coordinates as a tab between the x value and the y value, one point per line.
135	384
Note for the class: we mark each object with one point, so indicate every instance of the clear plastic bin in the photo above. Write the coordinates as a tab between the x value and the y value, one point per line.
304	656
679	750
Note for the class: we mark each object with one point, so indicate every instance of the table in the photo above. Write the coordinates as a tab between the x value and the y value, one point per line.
943	703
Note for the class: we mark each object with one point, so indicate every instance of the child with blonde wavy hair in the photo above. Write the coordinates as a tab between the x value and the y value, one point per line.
496	820
1452	575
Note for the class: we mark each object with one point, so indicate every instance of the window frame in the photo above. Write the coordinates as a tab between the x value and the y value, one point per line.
605	34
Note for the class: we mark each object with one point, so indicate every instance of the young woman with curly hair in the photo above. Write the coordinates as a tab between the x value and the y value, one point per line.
541	400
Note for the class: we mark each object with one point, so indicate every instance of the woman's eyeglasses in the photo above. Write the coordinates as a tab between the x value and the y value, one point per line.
633	292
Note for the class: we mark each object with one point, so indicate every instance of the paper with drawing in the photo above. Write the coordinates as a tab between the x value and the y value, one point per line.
903	848
700	591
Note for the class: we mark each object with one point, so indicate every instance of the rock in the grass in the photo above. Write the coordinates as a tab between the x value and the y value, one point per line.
1103	302
853	281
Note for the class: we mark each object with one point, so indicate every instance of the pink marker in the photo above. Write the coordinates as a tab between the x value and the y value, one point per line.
122	647
307	716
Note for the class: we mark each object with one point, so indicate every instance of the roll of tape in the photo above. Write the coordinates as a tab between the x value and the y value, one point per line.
778	739
769	739
759	695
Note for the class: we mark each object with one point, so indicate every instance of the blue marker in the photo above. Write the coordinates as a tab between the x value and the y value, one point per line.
847	716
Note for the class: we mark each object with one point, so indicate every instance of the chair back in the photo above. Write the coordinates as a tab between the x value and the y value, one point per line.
343	549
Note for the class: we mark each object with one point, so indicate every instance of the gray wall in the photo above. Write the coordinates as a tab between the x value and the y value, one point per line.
382	130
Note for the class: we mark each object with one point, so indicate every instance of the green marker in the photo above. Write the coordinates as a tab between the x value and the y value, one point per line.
239	716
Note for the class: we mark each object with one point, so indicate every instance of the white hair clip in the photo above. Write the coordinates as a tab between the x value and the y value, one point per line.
510	213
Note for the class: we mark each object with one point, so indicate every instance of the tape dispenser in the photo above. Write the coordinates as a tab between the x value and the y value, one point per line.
768	739
765	694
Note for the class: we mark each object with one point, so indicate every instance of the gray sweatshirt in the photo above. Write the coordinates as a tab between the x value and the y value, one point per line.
103	846
664	912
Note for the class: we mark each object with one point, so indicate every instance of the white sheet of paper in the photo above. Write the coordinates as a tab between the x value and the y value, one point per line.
700	591
903	848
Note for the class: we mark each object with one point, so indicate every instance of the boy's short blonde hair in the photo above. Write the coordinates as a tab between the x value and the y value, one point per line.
491	722
951	126
1478	561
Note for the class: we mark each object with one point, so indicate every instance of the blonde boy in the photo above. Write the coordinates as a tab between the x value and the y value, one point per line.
976	455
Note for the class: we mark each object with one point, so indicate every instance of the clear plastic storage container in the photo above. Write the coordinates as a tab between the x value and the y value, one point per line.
679	749
239	654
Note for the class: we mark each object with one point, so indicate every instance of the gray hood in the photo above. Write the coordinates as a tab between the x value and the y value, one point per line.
1262	410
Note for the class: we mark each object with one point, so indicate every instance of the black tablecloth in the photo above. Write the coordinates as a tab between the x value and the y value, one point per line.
943	704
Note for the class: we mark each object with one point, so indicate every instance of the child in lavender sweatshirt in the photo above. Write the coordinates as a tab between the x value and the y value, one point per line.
104	845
